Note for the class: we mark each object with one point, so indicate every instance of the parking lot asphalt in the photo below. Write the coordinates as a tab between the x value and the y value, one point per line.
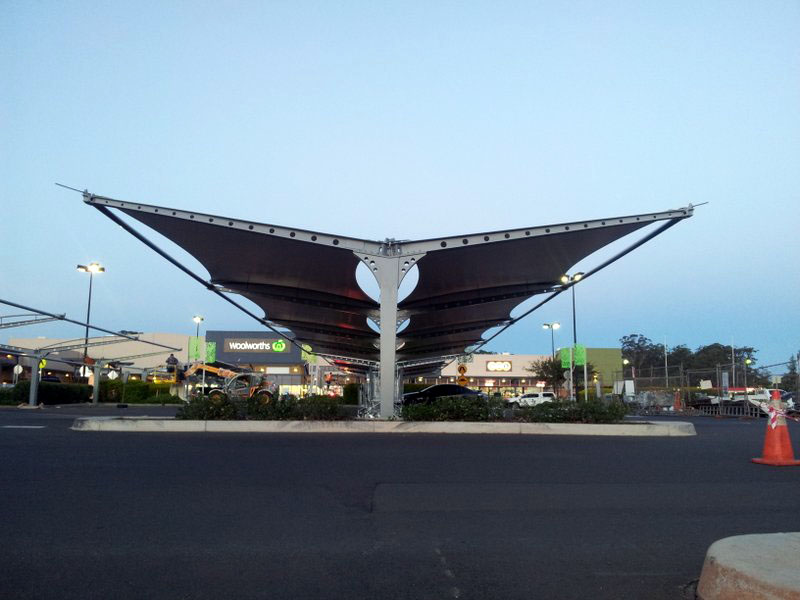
212	515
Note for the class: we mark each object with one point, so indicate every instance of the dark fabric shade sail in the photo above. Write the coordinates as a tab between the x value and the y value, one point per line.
306	281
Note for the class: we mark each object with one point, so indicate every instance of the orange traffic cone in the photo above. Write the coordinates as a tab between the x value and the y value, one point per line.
777	445
678	404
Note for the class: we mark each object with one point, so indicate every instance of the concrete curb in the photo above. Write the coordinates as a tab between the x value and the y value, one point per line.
150	424
759	566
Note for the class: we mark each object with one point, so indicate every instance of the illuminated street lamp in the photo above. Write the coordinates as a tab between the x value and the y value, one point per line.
91	269
552	327
625	363
198	319
571	280
747	363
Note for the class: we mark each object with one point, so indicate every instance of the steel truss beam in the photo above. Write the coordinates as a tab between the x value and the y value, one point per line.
29	322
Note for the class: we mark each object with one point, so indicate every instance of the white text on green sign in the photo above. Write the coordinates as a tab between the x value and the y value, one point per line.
254	345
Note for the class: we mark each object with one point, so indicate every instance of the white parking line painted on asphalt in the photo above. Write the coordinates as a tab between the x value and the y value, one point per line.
24	426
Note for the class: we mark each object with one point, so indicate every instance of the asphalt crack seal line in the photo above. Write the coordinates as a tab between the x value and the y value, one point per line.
454	591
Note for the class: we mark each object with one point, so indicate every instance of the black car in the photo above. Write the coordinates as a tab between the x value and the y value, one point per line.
429	394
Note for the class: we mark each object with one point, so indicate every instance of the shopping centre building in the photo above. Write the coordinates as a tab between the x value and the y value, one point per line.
293	370
255	351
512	374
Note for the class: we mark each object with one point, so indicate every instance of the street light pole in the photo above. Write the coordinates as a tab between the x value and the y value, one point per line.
574	325
552	327
199	319
91	268
747	362
88	312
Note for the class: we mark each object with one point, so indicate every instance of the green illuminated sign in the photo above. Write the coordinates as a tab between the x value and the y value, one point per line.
566	358
194	348
580	355
197	351
307	356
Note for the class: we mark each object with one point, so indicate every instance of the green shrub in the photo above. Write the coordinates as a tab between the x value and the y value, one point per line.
456	408
133	392
577	412
162	399
203	408
280	408
323	408
8	396
351	393
53	393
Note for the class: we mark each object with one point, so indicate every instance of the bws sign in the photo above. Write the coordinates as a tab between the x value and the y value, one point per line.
498	365
254	345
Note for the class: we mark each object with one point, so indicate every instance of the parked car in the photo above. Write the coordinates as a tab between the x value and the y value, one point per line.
440	390
531	399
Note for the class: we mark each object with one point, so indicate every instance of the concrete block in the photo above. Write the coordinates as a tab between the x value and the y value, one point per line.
752	567
453	427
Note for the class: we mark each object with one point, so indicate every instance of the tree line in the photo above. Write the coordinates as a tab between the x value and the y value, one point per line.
646	356
642	353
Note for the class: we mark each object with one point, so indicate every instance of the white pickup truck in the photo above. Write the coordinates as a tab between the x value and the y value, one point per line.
531	399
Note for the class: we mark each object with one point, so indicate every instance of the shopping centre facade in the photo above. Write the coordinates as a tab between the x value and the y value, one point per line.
298	372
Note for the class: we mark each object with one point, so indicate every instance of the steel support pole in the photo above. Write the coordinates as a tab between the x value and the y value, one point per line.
573	388
387	272
586	380
98	367
571	373
574	320
33	397
744	364
204	364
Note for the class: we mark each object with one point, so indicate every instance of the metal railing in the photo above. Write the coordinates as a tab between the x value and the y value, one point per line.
731	409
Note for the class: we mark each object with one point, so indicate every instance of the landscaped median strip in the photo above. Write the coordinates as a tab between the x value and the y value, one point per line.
147	424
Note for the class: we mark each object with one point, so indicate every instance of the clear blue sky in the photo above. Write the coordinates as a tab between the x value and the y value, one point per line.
412	120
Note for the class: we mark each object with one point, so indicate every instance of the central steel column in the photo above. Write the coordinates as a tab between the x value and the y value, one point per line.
387	272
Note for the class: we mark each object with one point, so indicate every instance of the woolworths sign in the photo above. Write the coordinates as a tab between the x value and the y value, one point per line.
254	345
